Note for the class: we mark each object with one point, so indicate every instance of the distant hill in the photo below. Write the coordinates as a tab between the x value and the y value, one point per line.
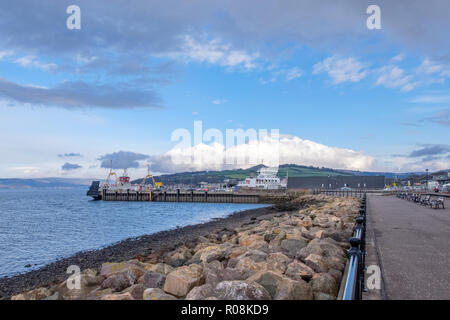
43	183
194	178
240	174
386	174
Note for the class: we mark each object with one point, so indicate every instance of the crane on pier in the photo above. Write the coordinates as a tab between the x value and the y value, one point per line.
111	173
156	185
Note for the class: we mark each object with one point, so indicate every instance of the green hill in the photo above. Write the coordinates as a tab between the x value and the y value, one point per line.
194	178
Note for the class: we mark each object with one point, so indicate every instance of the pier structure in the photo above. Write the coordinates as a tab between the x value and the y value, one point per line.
176	196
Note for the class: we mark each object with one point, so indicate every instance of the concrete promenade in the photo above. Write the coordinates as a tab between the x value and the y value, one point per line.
412	247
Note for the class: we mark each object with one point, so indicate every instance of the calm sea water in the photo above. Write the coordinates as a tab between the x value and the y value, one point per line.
39	226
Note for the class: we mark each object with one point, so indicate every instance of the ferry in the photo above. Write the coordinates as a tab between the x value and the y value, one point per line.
266	179
122	184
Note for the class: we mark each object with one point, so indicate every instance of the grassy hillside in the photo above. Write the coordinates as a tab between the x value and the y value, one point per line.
240	174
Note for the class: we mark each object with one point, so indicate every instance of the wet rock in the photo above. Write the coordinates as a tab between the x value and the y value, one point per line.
180	281
156	294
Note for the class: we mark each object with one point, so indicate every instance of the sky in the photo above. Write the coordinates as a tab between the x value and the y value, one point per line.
137	73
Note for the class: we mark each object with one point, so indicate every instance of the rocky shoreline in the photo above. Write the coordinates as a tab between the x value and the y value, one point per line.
294	250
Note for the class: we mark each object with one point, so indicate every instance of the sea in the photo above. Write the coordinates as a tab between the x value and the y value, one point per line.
39	226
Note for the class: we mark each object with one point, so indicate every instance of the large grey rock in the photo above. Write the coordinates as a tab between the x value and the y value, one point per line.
134	266
291	246
255	255
297	270
36	294
119	281
294	290
202	292
240	290
136	291
270	280
153	280
89	281
180	281
324	284
55	296
278	262
317	263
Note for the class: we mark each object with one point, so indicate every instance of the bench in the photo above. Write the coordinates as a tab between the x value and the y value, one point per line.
426	201
437	203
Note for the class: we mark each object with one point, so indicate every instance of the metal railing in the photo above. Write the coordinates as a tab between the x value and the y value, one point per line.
354	282
358	193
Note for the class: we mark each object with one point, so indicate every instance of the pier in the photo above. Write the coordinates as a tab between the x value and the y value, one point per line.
177	196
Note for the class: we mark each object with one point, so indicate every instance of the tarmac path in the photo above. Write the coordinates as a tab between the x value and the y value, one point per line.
413	247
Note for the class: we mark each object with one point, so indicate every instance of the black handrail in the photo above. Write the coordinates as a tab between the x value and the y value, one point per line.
354	283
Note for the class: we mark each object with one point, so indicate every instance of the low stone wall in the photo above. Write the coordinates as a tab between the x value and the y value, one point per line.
294	255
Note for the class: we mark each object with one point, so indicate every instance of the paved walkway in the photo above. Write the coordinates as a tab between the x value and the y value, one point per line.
413	247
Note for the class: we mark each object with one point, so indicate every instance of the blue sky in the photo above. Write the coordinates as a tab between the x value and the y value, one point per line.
341	95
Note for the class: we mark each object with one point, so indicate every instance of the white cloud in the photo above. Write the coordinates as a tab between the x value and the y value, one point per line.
341	69
4	54
30	61
429	67
289	149
432	99
287	74
394	77
219	101
293	73
398	58
405	164
216	52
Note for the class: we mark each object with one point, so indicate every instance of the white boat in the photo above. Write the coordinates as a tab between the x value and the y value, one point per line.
266	179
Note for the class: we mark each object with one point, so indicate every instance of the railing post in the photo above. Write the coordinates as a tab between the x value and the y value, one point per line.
352	287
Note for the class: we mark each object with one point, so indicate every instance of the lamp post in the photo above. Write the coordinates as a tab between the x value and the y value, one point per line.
427	178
